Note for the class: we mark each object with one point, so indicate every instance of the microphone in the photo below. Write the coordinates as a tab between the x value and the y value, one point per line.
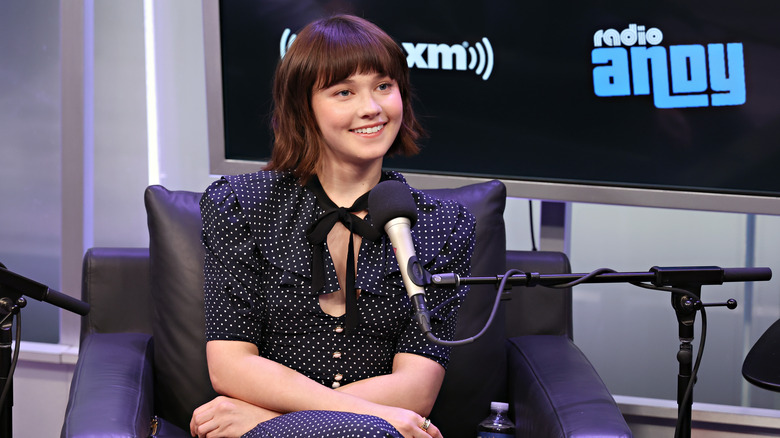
33	289
392	207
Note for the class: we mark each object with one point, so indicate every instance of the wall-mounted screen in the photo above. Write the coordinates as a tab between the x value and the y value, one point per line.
671	104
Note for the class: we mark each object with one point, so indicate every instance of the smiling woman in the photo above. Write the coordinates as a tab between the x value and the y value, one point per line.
309	330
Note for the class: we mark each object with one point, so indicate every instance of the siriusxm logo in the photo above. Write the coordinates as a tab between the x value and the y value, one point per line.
680	76
462	57
422	55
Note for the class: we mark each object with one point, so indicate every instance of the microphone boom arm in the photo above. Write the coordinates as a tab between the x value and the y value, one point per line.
658	276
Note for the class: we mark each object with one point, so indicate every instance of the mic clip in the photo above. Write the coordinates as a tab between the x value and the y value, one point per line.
419	275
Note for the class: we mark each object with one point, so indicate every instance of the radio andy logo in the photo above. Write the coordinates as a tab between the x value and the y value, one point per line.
477	57
632	62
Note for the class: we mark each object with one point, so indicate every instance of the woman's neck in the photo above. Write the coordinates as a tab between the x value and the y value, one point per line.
343	187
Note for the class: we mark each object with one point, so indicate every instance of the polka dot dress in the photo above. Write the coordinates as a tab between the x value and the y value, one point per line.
258	287
324	424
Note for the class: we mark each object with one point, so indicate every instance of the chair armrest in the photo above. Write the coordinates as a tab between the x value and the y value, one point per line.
111	391
556	392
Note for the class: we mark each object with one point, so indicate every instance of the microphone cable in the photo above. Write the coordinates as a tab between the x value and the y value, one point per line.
695	371
531	222
15	360
431	337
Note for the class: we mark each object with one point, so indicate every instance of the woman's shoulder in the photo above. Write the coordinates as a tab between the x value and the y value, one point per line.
263	180
439	217
249	188
443	225
430	203
268	203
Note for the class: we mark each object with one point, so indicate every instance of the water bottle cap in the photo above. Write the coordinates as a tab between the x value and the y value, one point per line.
499	406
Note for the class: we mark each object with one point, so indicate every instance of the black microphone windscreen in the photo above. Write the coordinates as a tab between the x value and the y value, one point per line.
391	199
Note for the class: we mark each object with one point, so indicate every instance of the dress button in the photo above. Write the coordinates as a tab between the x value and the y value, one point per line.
338	329
335	385
338	377
337	355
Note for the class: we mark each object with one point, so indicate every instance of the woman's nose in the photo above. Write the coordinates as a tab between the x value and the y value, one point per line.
369	107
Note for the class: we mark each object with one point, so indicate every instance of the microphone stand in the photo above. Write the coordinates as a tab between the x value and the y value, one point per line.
8	308
12	288
684	283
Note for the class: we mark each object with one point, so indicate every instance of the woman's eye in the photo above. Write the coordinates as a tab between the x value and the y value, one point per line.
384	87
343	93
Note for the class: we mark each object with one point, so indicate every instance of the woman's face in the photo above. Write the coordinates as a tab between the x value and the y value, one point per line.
358	117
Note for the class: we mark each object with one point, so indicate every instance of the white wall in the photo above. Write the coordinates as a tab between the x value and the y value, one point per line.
30	149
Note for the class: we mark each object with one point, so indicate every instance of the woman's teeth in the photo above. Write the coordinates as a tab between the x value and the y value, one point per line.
369	130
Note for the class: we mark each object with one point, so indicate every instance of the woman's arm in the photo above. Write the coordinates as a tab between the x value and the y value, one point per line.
238	372
413	384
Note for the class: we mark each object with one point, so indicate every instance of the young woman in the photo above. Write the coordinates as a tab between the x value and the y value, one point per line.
309	328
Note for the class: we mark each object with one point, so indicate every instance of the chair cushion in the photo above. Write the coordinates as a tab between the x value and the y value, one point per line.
176	270
476	374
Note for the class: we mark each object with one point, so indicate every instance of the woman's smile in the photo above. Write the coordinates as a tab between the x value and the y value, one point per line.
370	130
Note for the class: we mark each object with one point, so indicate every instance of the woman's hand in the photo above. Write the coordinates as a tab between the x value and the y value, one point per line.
409	424
227	417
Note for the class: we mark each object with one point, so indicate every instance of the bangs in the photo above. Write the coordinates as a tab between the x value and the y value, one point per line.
344	50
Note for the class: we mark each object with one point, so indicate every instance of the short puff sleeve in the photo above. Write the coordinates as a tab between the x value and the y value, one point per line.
232	268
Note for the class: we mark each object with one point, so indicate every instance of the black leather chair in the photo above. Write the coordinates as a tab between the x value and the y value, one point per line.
142	352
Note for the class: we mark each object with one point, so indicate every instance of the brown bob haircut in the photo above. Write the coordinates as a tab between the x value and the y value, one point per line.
325	52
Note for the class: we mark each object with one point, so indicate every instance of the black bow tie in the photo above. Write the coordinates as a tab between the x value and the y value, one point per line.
318	233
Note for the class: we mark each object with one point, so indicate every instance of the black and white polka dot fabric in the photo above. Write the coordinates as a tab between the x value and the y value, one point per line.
258	280
324	424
